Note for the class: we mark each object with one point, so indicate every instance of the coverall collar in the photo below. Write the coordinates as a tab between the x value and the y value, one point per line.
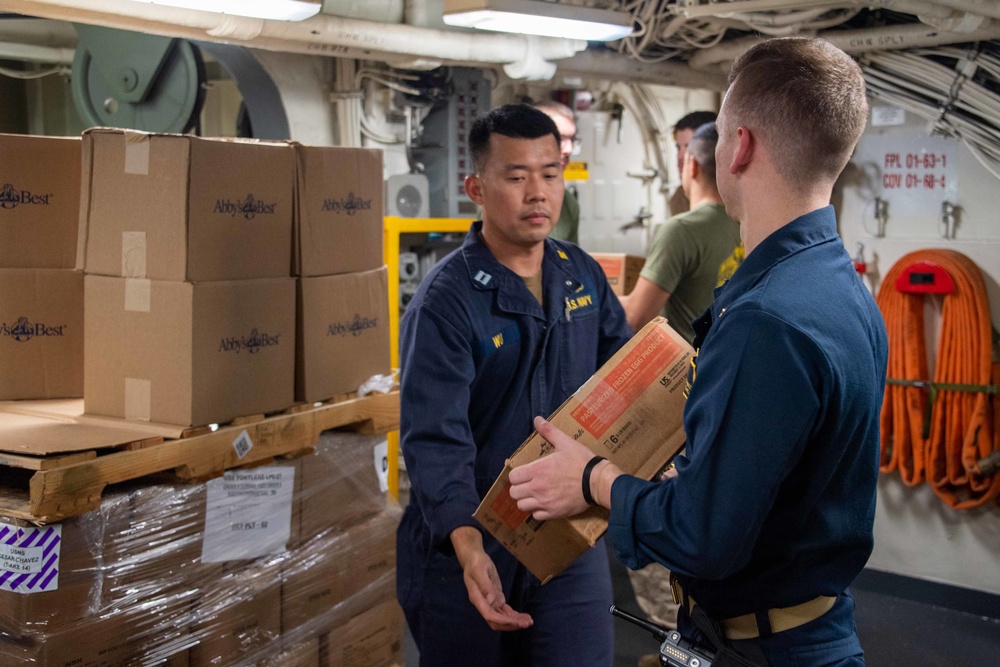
559	280
807	230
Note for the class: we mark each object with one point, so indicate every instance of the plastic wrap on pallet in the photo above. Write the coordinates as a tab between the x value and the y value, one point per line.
128	584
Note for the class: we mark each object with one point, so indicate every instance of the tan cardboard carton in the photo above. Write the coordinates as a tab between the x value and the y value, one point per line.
39	201
188	354
343	331
64	584
621	270
41	334
340	486
329	570
155	632
239	619
300	653
373	638
173	207
630	412
338	215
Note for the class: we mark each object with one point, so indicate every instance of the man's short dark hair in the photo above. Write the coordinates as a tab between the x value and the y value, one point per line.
517	121
694	120
702	149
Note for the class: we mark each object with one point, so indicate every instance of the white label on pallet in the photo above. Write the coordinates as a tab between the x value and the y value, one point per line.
29	558
382	465
242	444
249	514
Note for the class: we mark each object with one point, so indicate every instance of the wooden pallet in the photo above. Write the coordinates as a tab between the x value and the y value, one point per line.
43	485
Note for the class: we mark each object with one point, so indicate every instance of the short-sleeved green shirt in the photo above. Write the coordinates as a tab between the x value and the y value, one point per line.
684	259
567	228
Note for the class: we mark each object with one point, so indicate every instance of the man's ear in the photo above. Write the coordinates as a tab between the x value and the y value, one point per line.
744	151
474	188
695	167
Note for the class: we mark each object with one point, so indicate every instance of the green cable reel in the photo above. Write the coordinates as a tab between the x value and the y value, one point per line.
137	81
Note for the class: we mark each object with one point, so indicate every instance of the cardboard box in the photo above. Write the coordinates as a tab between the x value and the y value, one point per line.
39	201
343	333
303	653
621	270
64	583
340	486
373	638
176	207
630	412
338	214
331	569
188	354
41	333
153	538
239	618
155	632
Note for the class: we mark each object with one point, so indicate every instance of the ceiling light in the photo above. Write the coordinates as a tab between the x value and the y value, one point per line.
532	17
278	10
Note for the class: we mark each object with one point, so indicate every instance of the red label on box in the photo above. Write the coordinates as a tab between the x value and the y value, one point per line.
612	268
620	387
505	507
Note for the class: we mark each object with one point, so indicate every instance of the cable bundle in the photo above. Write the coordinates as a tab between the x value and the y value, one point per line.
962	426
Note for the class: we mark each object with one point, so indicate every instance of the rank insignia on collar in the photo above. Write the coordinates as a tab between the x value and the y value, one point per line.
483	278
562	254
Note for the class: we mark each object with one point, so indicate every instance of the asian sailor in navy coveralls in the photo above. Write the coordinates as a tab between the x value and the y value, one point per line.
769	517
505	328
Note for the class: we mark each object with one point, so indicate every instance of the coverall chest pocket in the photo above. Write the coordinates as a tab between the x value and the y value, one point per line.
578	352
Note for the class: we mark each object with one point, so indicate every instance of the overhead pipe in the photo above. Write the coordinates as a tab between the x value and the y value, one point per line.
887	38
390	11
617	67
989	8
47	55
525	56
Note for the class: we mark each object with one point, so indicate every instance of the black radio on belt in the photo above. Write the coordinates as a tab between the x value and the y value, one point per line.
675	651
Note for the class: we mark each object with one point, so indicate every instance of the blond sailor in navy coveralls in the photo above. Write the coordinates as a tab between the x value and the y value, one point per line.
505	328
770	515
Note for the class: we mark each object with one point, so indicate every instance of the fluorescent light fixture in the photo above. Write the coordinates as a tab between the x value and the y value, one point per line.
277	10
534	17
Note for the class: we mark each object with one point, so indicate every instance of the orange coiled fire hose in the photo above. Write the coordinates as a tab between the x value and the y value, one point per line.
962	426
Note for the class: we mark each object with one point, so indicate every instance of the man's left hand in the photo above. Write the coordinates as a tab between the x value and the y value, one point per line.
551	487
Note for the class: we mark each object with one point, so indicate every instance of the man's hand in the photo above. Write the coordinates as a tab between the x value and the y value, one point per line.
551	487
483	582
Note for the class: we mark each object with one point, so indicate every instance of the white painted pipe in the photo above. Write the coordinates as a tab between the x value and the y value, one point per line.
321	35
887	38
617	67
989	8
390	11
49	55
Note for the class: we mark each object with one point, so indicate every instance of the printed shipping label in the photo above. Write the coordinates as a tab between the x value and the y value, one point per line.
382	465
242	444
29	558
249	514
619	388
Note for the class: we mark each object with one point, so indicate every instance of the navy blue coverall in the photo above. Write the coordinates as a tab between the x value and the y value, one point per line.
774	500
480	359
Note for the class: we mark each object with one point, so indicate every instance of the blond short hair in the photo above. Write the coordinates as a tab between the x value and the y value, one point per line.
806	99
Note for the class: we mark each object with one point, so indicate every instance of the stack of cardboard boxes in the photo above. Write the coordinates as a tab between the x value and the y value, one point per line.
41	296
343	321
190	306
133	585
223	278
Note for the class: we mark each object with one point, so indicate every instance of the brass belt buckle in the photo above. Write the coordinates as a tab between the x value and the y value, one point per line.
675	590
